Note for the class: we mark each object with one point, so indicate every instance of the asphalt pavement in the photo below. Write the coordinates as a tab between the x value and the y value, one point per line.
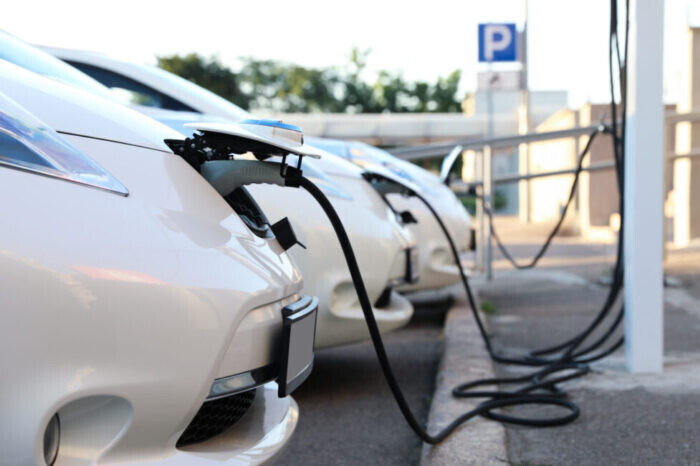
347	413
626	419
348	416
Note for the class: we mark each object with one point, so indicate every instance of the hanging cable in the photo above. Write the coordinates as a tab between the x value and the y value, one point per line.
538	388
501	400
545	246
572	361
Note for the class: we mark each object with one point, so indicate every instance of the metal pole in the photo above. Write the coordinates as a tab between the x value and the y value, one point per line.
488	200
643	293
524	122
481	240
489	98
488	176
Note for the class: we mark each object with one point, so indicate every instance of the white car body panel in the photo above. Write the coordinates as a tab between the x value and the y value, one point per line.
121	311
436	263
378	239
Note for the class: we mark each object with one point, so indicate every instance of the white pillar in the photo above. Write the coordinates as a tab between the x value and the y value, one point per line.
643	295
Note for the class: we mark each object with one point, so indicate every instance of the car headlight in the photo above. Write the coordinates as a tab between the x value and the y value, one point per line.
28	144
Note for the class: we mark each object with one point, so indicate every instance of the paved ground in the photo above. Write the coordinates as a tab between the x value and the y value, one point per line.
626	419
478	442
347	414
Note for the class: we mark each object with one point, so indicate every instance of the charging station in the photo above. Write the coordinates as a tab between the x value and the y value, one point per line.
643	282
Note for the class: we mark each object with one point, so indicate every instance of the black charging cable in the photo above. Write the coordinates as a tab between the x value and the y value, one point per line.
573	361
501	400
550	237
570	365
618	135
535	359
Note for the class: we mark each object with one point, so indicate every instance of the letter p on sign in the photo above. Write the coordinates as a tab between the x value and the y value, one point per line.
497	42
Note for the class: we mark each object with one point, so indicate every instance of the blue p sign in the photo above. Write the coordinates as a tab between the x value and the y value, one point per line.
497	42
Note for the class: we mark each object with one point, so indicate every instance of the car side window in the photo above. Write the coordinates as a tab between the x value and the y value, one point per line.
130	91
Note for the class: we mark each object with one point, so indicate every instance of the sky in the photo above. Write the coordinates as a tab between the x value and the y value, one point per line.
567	39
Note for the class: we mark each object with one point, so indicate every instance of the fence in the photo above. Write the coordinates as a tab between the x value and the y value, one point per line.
486	181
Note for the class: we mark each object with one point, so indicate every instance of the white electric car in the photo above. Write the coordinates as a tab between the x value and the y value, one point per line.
142	319
436	263
174	100
385	248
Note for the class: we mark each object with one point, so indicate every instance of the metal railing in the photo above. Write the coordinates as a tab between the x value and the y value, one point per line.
439	150
484	149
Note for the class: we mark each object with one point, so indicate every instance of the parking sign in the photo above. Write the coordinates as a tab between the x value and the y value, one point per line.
497	42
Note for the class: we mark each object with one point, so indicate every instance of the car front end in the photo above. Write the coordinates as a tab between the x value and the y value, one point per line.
388	248
385	250
157	335
436	264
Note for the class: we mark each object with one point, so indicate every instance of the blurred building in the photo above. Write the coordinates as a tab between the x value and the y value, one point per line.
684	204
399	129
597	198
403	129
596	203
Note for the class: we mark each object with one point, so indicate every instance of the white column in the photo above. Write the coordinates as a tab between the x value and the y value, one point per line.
643	295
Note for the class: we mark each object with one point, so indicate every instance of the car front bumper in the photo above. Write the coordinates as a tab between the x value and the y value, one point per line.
347	324
381	245
259	436
435	262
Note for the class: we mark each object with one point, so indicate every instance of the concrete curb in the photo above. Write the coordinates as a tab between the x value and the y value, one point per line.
479	441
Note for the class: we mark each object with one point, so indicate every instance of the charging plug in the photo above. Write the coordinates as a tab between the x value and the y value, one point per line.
386	186
227	175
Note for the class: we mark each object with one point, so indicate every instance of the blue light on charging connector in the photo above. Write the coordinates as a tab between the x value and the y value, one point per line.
272	123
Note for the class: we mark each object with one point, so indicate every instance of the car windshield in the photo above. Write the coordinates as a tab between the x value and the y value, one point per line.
24	55
339	148
232	111
366	154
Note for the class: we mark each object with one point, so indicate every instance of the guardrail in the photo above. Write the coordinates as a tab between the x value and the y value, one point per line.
439	150
484	149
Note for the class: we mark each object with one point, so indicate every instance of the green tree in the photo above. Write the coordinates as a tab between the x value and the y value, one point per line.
392	93
290	88
356	95
285	87
209	73
444	94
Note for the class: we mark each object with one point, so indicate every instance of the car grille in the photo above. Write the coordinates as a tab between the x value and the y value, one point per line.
216	416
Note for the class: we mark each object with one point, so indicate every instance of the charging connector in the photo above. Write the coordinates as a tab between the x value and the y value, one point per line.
227	175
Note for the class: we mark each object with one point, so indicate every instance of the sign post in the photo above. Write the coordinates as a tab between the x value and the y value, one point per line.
497	43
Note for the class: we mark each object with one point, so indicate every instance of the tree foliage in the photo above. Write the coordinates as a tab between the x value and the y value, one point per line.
209	73
286	87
